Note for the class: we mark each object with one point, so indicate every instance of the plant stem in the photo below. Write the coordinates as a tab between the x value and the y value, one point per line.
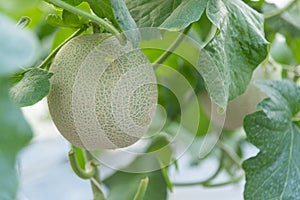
44	64
105	24
163	57
95	180
206	181
231	181
142	189
280	11
208	184
76	168
230	154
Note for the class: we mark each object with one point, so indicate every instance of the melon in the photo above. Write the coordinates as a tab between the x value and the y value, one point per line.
103	93
242	105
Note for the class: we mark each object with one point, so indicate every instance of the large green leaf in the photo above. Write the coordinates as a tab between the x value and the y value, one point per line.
18	47
15	133
151	13
185	14
173	15
275	172
34	86
228	61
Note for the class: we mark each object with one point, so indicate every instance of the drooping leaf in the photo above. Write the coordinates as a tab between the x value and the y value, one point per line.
18	47
173	15
34	86
228	61
185	14
151	13
274	173
15	133
125	21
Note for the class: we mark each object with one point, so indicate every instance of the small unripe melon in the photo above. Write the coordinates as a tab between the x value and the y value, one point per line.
103	93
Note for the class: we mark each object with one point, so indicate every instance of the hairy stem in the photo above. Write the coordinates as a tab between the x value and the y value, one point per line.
44	64
95	180
105	24
280	11
163	57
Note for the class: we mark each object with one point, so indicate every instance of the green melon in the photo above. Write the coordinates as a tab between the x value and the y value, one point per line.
103	94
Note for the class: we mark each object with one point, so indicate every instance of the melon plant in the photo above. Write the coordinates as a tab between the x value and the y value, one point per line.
103	93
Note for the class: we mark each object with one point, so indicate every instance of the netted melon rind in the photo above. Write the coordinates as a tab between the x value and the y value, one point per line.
88	101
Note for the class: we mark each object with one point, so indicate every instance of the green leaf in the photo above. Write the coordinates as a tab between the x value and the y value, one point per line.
157	186
54	20
70	19
281	52
16	8
117	12
18	47
73	2
275	172
79	156
125	21
286	23
294	45
185	14
173	15
151	13
103	9
228	61
34	86
15	133
124	185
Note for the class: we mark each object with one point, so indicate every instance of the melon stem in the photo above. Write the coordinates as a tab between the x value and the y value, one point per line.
105	24
95	180
45	63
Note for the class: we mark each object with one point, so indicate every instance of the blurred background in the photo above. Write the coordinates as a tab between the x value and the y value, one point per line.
43	167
